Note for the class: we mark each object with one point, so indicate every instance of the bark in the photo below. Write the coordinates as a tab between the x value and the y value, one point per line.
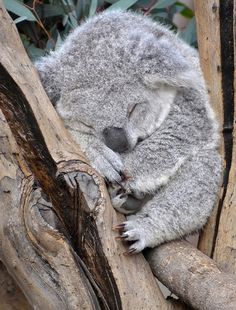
56	232
193	276
209	45
215	23
11	296
225	247
56	220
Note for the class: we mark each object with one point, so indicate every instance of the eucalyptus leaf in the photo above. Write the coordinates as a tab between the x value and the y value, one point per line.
73	19
93	7
121	5
111	1
189	35
19	9
35	52
164	3
186	12
58	42
48	10
20	19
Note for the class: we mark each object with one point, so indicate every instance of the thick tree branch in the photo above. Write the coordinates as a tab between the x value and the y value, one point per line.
101	276
193	276
48	216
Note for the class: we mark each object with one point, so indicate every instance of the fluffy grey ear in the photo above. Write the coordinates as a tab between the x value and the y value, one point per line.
189	79
48	75
172	63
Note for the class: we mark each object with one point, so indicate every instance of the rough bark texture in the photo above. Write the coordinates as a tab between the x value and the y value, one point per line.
193	276
11	297
225	247
56	220
44	201
208	31
215	26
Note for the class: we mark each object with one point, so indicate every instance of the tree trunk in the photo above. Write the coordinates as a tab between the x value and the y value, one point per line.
216	37
56	220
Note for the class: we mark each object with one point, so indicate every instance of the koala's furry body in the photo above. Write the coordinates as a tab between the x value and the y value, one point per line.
132	95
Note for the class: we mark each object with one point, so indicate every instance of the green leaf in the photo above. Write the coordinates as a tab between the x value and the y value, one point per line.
189	34
19	9
49	10
93	7
34	52
73	20
59	42
186	12
111	1
161	4
121	5
19	19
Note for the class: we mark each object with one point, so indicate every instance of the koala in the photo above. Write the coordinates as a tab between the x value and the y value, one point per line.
132	94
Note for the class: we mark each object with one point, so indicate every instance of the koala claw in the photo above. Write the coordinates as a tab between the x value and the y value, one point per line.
132	234
119	227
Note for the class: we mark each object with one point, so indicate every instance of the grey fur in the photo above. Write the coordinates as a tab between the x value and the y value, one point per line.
127	81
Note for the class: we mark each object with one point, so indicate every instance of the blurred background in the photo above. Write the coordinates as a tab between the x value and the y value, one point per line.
44	24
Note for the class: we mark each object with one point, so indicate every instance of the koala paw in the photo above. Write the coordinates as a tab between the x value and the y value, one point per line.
118	196
138	234
124	201
110	165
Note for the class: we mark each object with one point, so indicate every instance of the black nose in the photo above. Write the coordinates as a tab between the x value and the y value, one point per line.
116	139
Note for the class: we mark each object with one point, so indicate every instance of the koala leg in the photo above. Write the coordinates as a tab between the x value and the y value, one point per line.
180	207
124	202
108	163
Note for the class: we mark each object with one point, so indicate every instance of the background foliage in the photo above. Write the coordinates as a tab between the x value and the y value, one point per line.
43	24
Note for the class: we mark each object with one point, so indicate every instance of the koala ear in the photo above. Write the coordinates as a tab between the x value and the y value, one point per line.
188	79
172	63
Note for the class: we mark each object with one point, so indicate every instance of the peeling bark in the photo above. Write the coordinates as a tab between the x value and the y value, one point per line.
11	296
55	232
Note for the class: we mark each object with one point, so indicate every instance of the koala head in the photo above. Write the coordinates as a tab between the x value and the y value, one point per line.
117	76
121	116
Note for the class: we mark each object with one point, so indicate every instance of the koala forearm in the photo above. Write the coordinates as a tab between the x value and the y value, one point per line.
152	165
182	135
179	208
104	160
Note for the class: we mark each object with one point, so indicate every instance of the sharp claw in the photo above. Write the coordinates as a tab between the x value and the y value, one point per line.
120	238
119	227
120	184
130	251
126	175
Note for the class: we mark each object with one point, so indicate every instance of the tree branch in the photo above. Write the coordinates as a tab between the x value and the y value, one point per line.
193	276
53	198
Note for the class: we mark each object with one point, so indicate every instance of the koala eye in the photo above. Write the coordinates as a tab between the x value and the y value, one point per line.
137	110
131	109
86	128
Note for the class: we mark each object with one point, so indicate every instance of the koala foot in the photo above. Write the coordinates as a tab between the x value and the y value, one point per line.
124	201
138	233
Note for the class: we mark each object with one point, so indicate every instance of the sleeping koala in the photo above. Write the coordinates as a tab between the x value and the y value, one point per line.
132	95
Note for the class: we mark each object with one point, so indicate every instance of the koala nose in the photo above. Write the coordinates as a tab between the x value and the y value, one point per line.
116	139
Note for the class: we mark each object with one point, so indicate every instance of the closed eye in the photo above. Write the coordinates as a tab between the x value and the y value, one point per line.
131	110
85	127
138	110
